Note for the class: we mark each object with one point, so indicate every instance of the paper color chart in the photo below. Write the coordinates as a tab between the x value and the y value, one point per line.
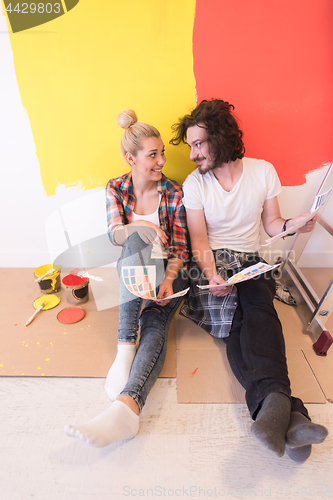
140	280
251	272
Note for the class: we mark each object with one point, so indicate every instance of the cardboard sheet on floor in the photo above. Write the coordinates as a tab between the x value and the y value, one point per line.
296	336
322	367
49	348
204	374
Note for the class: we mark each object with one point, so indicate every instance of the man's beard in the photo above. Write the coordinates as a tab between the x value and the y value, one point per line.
206	168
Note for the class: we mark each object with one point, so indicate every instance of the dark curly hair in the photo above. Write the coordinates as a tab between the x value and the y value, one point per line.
224	136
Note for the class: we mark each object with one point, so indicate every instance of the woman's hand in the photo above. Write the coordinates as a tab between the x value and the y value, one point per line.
220	291
164	291
149	232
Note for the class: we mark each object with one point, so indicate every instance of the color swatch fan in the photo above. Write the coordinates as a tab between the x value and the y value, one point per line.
140	280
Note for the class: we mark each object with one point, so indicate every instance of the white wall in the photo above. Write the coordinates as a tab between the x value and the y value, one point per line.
25	208
24	204
296	200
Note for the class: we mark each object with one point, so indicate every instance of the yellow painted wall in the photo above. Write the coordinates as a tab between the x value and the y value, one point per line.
77	72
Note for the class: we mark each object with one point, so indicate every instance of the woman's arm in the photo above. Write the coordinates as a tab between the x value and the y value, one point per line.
178	231
177	251
117	228
148	232
173	267
115	214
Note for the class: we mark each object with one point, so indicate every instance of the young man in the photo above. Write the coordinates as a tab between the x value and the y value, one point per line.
226	198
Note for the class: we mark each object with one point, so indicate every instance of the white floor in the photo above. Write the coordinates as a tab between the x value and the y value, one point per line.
181	451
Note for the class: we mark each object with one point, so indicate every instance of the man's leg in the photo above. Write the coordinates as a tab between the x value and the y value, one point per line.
258	369
256	352
302	433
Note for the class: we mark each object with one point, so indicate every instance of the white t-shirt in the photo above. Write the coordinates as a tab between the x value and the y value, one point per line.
233	218
158	252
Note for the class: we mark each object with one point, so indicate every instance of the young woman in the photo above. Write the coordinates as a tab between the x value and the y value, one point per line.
146	216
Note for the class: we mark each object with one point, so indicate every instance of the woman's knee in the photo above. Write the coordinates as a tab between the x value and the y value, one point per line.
152	315
134	251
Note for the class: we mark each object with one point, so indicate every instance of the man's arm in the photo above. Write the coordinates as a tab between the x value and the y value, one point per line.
201	251
273	222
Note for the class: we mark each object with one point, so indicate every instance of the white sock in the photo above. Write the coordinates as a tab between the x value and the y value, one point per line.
115	424
119	372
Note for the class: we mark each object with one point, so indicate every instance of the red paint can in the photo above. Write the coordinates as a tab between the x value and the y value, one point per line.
76	289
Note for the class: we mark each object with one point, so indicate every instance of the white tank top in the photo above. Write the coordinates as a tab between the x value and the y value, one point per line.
158	252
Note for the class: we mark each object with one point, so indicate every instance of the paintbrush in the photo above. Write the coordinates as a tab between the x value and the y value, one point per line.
50	271
35	314
85	274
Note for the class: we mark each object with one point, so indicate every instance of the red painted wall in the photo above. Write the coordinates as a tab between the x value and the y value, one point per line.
273	60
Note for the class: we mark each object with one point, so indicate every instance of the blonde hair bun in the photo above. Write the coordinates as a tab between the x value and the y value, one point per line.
135	132
127	118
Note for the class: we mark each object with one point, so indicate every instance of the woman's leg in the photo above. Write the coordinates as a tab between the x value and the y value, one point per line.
121	420
134	253
150	356
117	377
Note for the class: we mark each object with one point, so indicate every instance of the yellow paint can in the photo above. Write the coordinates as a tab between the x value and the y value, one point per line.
51	283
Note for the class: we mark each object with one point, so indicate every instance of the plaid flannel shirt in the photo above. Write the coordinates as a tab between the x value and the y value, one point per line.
215	314
120	202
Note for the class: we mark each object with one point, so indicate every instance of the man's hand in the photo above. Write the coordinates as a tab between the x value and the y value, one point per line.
308	227
220	291
273	222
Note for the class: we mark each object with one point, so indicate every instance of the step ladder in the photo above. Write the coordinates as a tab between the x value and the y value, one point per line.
314	311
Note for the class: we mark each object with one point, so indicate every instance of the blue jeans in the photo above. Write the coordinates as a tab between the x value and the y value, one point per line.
256	347
154	320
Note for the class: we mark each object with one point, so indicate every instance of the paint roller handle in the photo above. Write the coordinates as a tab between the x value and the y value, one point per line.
35	314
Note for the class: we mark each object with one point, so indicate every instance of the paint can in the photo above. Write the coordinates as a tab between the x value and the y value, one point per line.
76	289
51	283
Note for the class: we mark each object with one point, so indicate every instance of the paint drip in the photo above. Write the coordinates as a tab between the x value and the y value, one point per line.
51	283
76	289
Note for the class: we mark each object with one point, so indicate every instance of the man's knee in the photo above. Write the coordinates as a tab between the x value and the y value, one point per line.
260	291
